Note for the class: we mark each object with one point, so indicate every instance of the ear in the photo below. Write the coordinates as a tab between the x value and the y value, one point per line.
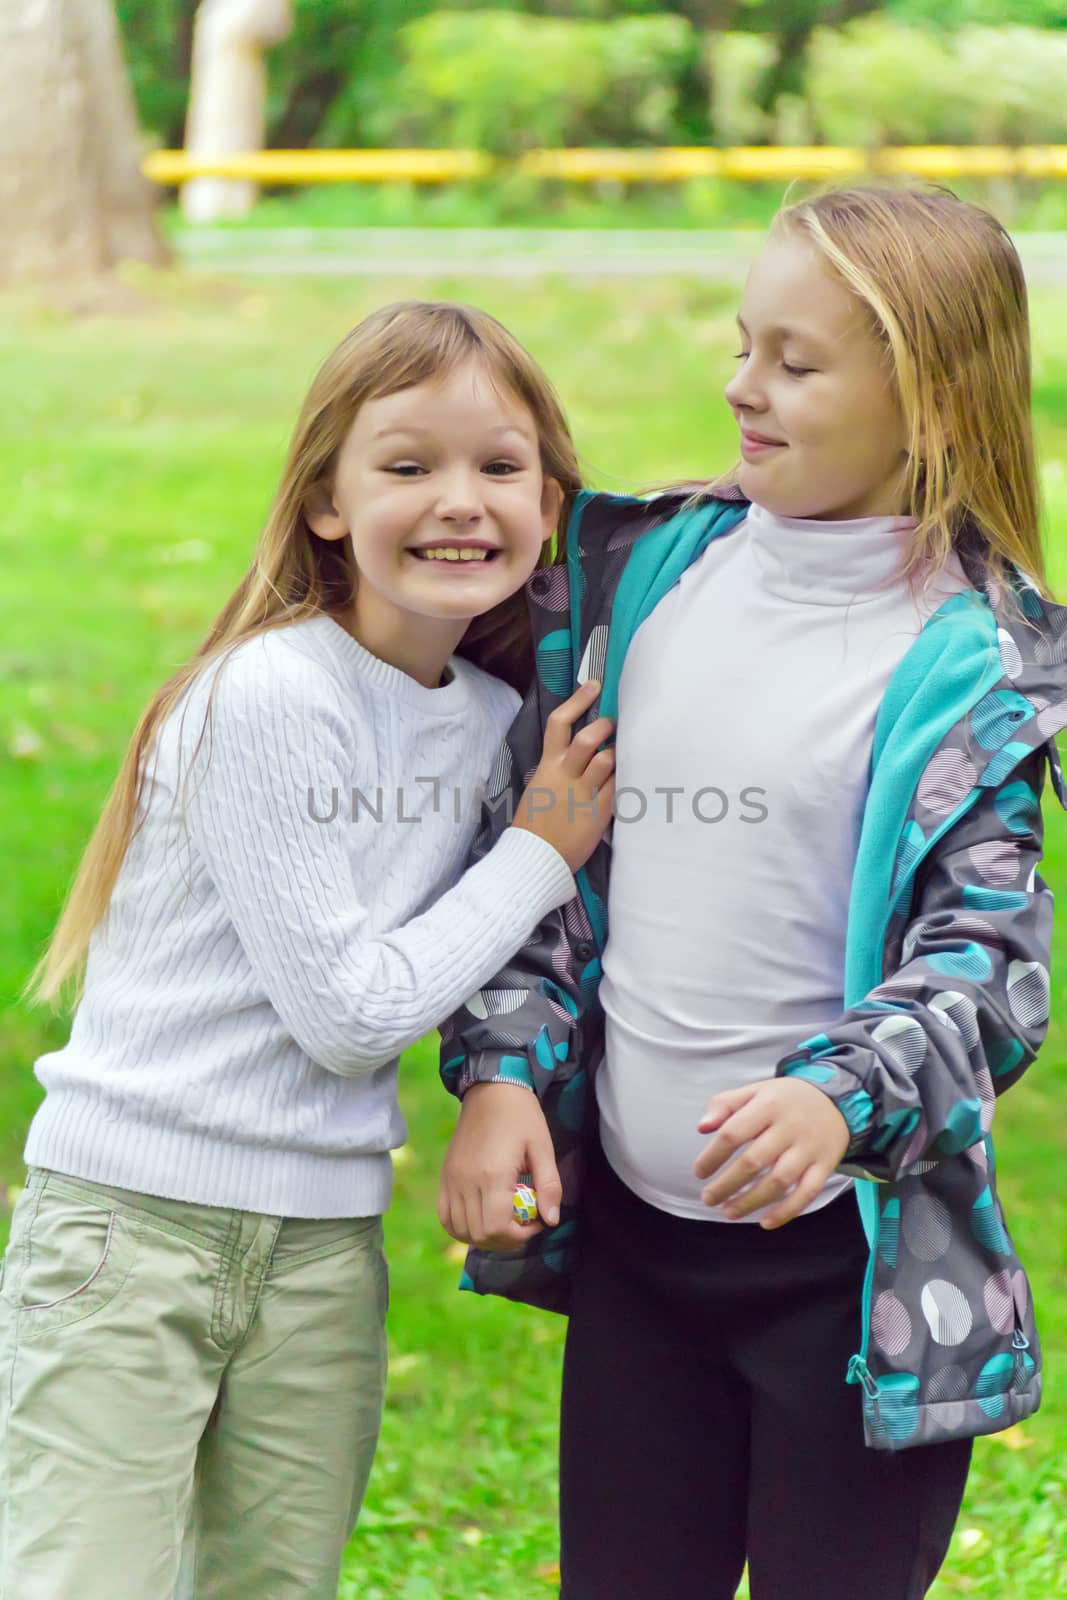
551	506
322	515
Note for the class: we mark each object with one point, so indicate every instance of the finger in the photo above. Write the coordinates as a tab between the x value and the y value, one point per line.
773	1186
579	759
593	735
475	1200
601	769
444	1206
596	777
513	1237
603	798
749	1167
548	1186
723	1105
559	722
457	1224
740	1128
496	1212
802	1196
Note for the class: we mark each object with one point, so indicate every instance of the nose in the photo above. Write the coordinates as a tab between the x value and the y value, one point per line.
460	497
743	392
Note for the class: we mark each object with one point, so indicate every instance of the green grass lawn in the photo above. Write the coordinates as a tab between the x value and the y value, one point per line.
138	452
514	201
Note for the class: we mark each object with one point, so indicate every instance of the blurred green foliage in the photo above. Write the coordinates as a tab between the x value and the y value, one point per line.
981	85
550	72
504	82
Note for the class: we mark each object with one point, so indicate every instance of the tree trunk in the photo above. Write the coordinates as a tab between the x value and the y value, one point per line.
228	97
72	196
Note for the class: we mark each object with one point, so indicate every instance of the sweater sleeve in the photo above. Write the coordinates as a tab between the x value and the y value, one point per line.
352	999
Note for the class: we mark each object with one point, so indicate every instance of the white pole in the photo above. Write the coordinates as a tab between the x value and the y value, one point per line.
227	97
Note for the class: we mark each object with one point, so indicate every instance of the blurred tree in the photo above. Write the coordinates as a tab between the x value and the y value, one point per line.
337	46
72	196
505	82
338	79
953	14
341	62
159	48
793	22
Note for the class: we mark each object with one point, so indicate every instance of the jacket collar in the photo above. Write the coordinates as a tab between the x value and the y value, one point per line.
1033	655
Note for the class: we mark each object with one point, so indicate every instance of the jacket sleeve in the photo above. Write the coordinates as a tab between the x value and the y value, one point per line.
915	1067
524	1022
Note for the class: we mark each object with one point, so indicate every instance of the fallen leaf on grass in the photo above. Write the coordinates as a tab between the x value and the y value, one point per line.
472	1536
25	744
549	1573
373	1520
969	1539
399	1365
1013	1438
455	1252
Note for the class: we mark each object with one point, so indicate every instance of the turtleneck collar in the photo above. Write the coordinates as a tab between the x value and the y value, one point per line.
827	563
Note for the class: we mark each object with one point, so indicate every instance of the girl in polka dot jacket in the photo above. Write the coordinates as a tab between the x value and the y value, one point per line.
838	677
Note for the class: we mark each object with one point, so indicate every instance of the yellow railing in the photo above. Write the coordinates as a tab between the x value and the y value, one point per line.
664	165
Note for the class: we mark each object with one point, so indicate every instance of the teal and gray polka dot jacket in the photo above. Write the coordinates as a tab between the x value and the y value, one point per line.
947	963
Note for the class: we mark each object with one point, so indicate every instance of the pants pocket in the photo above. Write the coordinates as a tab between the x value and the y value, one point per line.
66	1259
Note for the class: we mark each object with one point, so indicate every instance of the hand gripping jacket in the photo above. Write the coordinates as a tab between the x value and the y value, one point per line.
946	981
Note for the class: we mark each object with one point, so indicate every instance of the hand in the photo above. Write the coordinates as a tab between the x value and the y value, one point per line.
795	1135
501	1133
569	799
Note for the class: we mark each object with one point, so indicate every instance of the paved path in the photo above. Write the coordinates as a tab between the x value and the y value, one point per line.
513	252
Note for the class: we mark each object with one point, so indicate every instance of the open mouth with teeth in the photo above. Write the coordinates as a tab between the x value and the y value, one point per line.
453	554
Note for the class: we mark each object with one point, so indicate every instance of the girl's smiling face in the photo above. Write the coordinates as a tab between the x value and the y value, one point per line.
445	464
822	432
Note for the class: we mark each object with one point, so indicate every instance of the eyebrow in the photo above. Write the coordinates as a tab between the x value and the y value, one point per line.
415	430
784	330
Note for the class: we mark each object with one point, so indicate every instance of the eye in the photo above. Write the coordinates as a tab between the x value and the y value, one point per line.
405	469
796	372
742	355
501	469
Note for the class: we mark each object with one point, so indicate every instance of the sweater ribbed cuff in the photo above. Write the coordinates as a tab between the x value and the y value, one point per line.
533	871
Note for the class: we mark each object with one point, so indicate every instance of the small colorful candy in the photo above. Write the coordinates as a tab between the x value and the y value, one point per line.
524	1203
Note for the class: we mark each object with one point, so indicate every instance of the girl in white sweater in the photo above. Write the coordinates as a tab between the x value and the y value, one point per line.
271	909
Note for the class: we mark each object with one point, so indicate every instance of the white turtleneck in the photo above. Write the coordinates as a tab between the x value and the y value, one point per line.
757	680
268	955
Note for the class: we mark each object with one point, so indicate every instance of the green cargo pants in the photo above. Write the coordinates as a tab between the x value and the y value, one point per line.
190	1396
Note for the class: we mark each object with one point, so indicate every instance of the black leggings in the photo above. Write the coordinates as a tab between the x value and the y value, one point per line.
706	1418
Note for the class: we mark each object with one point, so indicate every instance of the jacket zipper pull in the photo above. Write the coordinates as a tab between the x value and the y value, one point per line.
859	1372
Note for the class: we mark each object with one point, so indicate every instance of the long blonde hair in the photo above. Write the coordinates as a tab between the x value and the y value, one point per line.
945	292
295	575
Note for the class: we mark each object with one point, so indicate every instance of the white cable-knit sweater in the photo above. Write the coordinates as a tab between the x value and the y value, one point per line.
262	967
